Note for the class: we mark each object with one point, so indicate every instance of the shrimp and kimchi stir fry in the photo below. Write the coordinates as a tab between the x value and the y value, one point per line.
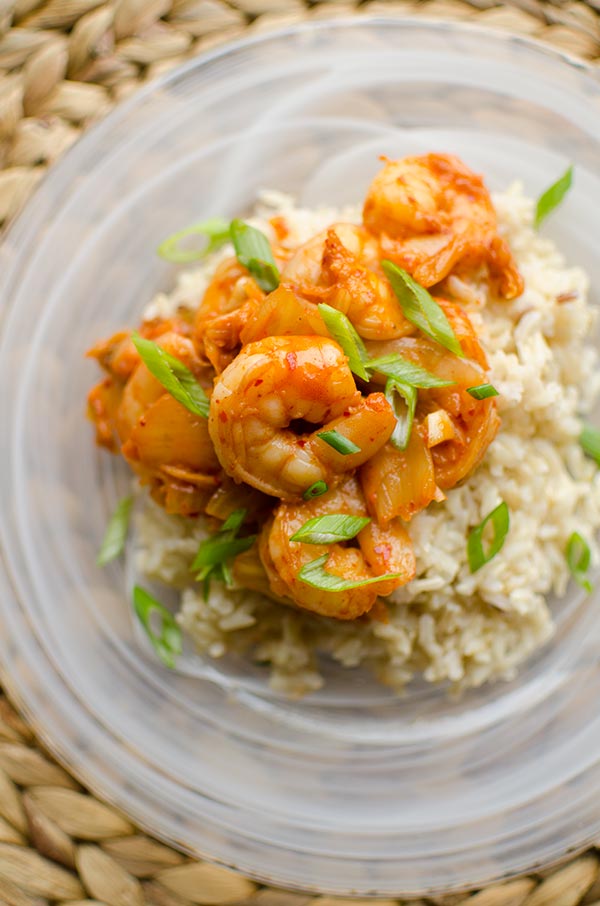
334	389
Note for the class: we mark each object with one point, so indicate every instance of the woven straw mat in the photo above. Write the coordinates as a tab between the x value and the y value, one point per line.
63	64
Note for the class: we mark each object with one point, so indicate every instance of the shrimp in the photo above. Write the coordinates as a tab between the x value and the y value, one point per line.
168	447
379	551
229	302
433	215
119	358
340	266
277	384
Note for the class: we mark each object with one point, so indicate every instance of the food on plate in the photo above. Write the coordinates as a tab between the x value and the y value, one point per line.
359	435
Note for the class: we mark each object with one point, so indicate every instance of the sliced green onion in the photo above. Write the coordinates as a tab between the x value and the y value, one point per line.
589	440
405	415
234	521
579	556
420	308
400	369
482	391
216	229
115	536
340	443
314	574
330	529
500	519
175	377
316	490
253	250
343	332
214	553
552	197
218	549
168	643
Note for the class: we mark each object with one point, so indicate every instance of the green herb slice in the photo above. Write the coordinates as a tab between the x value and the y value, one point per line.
234	521
552	197
589	440
215	229
253	251
343	332
340	443
316	490
115	535
482	391
175	377
314	574
500	519
330	529
400	369
169	642
217	550
214	553
405	415
579	557
420	308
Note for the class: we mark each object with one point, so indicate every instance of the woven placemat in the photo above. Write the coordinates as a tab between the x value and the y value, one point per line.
63	64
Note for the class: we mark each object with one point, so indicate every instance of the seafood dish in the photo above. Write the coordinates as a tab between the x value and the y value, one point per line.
361	434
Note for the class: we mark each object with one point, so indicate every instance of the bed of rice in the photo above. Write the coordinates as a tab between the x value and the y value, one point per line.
447	624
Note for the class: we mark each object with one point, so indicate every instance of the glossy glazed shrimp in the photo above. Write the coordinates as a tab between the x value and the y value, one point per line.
280	382
229	302
168	447
379	551
433	215
119	358
340	266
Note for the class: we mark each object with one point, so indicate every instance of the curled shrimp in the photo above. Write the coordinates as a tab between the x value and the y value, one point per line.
229	302
340	266
168	446
119	358
379	551
432	215
279	383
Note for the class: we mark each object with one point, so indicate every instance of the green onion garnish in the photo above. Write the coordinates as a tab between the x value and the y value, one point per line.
168	643
314	574
330	529
553	196
216	229
394	366
404	410
589	440
234	521
175	377
478	557
214	553
343	332
420	308
579	556
218	549
340	443
115	535
253	250
316	490
482	391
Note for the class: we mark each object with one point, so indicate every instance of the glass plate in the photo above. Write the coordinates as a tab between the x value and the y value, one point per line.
351	790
